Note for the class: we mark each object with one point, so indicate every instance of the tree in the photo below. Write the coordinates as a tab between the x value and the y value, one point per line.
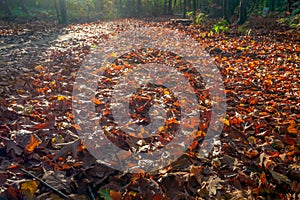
216	8
63	11
24	9
228	9
242	12
139	7
170	11
5	5
194	8
184	8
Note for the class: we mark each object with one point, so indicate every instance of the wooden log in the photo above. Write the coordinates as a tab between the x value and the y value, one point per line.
185	22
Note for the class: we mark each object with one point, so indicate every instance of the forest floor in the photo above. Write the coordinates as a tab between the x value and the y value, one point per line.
257	157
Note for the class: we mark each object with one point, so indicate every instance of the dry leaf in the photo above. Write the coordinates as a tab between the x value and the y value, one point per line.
33	143
29	188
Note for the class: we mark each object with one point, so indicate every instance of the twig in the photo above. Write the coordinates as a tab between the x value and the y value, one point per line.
4	138
46	184
91	192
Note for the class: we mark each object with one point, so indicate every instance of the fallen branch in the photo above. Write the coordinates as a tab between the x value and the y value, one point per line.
46	184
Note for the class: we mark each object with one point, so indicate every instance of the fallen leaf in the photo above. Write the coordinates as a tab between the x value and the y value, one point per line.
29	188
33	143
281	178
39	68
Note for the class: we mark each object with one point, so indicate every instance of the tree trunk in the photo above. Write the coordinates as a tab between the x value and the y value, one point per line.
272	2
194	8
119	9
63	11
139	8
4	4
24	9
170	7
216	9
184	8
165	6
242	12
288	7
188	4
174	3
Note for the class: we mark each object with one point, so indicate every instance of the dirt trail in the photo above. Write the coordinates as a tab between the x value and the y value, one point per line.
23	47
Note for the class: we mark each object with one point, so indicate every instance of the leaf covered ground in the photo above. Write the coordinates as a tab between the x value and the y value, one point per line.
257	156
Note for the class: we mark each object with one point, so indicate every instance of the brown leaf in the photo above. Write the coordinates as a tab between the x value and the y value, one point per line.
281	178
12	147
70	147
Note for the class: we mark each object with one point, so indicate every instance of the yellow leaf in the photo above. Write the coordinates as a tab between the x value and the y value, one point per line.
251	140
61	97
39	68
166	92
28	188
161	128
114	54
240	48
225	121
230	69
57	139
268	82
52	83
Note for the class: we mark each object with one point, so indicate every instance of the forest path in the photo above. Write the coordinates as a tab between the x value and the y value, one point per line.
25	46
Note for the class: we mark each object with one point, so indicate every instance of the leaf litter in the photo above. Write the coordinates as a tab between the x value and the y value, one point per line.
258	152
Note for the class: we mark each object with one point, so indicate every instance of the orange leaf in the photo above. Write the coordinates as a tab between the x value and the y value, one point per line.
171	121
20	91
176	103
115	195
13	166
42	126
252	153
76	126
60	167
263	179
33	143
292	130
97	101
193	145
292	127
253	101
